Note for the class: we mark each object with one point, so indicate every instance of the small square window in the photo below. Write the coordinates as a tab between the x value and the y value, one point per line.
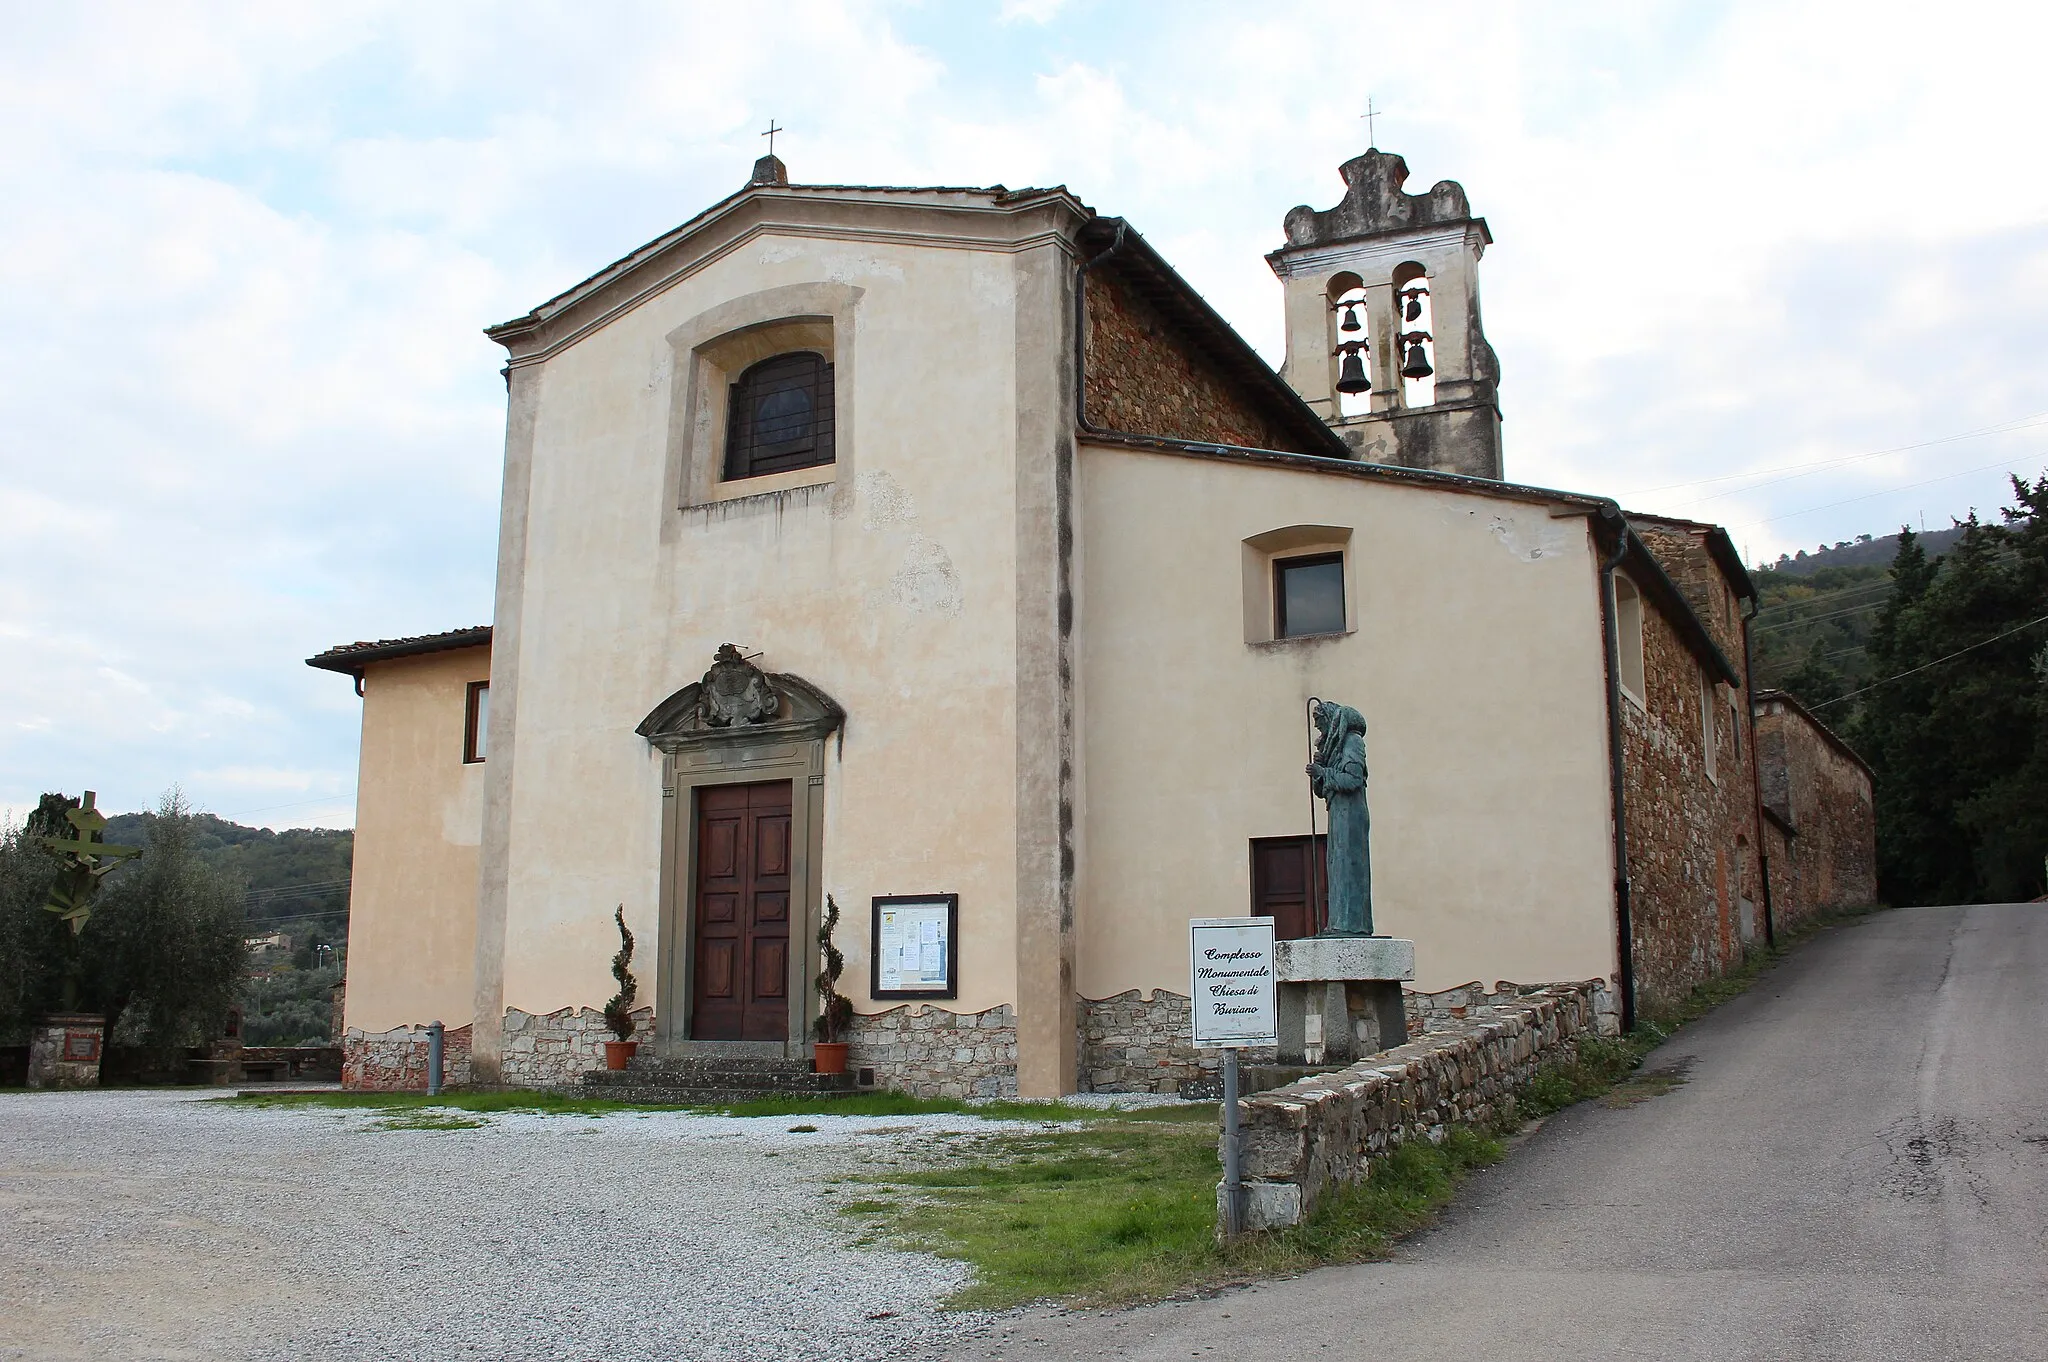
476	721
1308	595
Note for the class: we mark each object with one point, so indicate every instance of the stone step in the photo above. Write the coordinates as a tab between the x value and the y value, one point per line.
729	1079
665	1095
692	1065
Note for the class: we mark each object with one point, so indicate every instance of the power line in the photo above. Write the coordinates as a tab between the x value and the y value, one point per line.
1779	625
1833	599
1798	470
1925	665
1887	491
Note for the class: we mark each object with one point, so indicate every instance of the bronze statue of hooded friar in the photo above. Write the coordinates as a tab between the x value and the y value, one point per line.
1337	777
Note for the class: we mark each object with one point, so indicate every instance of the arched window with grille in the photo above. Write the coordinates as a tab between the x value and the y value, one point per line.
779	416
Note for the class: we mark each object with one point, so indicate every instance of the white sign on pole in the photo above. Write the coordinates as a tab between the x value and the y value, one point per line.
1231	970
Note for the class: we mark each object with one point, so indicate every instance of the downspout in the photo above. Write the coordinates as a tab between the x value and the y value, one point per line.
1123	229
1624	931
1756	781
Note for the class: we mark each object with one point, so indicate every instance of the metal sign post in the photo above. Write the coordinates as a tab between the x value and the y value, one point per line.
1230	972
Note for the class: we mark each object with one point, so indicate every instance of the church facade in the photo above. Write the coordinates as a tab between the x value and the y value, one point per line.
939	553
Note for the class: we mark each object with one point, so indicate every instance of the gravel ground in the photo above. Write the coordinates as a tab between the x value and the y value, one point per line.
152	1224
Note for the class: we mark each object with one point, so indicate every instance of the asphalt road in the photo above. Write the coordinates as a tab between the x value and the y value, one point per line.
1856	1168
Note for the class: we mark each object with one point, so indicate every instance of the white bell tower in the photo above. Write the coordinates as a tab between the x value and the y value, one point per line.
1383	333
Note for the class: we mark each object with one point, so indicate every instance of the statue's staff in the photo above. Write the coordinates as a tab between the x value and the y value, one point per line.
1315	912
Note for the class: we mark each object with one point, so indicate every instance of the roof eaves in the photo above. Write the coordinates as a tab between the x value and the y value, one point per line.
508	330
1645	571
1720	547
350	658
1834	739
1357	468
1142	262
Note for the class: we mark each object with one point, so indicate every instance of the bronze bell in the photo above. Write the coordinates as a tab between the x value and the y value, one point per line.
1414	312
1350	322
1418	363
1351	375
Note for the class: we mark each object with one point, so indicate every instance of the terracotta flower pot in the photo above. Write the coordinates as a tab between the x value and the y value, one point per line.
829	1056
617	1052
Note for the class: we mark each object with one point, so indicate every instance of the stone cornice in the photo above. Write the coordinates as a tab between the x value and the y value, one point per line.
983	220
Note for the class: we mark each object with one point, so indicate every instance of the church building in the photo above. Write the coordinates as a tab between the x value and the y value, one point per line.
939	554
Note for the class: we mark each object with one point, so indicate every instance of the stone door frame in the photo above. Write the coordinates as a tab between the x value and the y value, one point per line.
785	743
683	774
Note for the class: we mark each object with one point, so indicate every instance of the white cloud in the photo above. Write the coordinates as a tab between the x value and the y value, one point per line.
246	411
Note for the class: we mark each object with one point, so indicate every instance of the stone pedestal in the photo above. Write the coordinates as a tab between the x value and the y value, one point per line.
1344	980
64	1051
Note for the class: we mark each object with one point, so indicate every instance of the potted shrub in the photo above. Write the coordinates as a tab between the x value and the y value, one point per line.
618	1013
835	1010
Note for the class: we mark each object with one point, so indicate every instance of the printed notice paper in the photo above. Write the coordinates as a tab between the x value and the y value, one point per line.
1231	969
913	946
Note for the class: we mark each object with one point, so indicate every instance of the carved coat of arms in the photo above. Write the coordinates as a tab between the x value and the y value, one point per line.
735	691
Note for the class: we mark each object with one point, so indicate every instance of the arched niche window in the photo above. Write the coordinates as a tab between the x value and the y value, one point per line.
779	416
1628	638
1350	348
1415	329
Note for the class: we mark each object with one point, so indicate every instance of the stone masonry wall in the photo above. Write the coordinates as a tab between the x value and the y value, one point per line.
551	1051
1143	379
1304	1140
1446	1009
1813	781
1691	843
929	1052
1131	1043
396	1060
555	1050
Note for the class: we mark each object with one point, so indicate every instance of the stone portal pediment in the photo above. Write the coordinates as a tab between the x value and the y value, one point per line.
737	702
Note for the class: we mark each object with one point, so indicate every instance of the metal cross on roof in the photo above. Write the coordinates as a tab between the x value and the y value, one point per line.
1371	138
770	135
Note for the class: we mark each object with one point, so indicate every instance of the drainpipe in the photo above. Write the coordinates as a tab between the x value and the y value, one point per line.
1624	932
1756	782
1123	230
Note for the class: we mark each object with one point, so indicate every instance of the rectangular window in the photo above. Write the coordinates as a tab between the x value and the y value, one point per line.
1308	595
476	720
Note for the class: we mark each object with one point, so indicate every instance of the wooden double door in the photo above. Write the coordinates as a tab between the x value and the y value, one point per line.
1291	884
741	950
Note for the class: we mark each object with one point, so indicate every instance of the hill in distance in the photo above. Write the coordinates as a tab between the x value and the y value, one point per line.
1815	612
300	873
1863	551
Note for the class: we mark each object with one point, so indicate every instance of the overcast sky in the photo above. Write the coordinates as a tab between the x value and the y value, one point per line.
247	251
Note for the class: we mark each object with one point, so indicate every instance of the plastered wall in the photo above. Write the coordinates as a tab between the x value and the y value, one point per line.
1475	658
891	586
419	810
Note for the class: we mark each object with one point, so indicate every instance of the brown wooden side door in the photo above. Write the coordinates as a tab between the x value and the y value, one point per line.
742	913
1289	884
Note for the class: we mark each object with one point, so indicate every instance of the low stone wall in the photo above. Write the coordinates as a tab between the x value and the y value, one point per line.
1304	1140
929	1052
1131	1043
555	1049
1437	1011
64	1052
396	1060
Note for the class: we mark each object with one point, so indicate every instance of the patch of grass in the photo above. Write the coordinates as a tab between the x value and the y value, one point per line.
1124	1210
902	1104
429	1120
860	1104
803	1130
544	1103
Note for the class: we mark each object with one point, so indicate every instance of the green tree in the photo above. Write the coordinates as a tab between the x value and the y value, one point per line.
1956	722
165	956
32	943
